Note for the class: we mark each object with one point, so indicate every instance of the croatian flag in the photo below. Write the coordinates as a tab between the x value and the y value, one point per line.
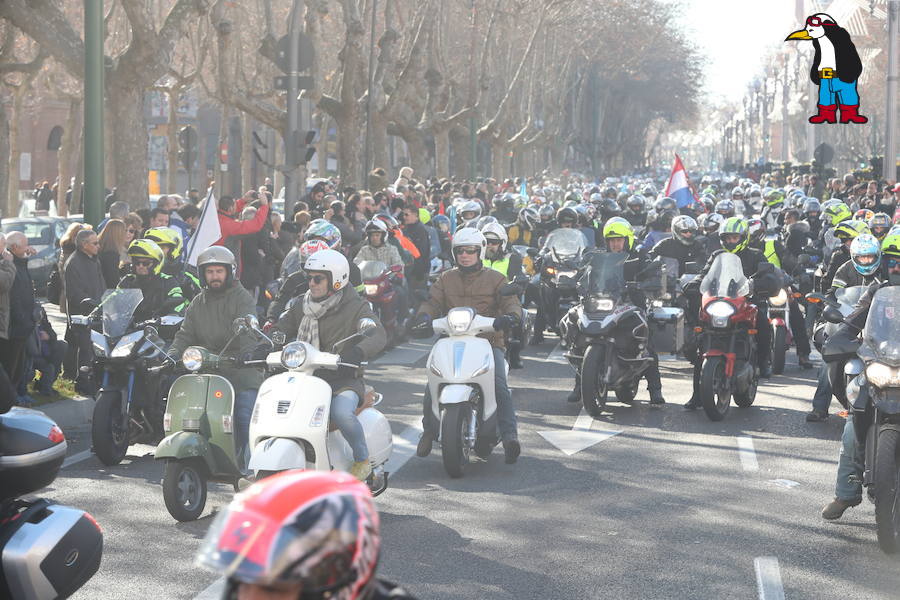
678	187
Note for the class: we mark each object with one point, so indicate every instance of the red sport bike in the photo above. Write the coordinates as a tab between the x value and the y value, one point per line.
727	338
381	290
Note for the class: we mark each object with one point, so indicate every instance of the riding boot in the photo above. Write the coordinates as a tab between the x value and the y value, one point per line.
575	395
515	361
694	402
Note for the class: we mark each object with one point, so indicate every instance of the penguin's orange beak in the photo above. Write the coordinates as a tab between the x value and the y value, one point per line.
799	35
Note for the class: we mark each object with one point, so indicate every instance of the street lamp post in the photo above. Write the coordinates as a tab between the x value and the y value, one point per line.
889	168
371	84
785	130
93	112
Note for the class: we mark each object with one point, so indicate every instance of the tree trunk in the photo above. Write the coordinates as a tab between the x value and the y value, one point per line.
222	185
247	181
277	159
418	155
498	161
172	142
349	147
5	182
379	145
67	155
442	153
15	153
125	115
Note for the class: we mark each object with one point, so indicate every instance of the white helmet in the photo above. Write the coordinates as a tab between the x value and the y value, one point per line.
496	230
332	262
469	237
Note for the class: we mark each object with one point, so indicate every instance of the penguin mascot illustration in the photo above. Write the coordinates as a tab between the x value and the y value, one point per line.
835	69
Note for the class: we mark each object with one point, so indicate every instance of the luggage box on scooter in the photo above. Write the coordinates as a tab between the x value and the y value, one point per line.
666	329
48	550
32	450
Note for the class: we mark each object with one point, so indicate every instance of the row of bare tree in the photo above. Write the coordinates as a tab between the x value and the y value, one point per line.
546	82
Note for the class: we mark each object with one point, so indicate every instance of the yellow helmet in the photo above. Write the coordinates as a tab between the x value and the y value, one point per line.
144	248
165	236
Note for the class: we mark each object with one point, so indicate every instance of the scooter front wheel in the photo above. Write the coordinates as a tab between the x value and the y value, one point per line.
184	488
779	349
715	391
887	490
454	431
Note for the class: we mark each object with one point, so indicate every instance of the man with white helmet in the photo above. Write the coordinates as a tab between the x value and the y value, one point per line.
330	311
510	264
472	285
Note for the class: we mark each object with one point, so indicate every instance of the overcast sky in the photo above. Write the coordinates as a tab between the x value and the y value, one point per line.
734	34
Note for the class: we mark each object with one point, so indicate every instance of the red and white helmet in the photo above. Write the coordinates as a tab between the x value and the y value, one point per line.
313	528
309	248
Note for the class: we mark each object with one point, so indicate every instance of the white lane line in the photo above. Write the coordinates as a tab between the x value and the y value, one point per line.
557	355
768	578
77	458
747	453
404	448
213	592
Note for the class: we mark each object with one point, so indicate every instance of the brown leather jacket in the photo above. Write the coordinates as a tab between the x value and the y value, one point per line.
479	290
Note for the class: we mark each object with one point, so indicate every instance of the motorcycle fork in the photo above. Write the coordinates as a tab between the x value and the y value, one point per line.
870	450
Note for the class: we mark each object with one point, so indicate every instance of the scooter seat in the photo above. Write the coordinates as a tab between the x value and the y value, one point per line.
368	402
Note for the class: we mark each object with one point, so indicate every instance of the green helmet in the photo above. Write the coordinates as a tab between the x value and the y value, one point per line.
837	213
617	227
775	198
848	230
890	246
734	225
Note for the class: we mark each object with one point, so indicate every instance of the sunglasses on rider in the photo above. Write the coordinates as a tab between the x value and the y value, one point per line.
144	262
317	279
466	250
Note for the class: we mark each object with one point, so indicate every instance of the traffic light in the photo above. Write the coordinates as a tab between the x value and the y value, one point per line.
303	150
187	144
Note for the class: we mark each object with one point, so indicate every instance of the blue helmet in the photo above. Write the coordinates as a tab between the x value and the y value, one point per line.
865	252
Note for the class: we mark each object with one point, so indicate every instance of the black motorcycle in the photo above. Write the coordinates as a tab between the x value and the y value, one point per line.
607	333
130	366
560	260
874	397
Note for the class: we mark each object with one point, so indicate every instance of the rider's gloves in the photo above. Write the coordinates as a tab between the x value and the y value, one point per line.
504	323
268	326
351	356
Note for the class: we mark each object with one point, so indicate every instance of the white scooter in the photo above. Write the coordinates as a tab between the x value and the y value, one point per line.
461	384
290	426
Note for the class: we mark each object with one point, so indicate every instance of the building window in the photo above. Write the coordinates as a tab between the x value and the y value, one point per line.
55	139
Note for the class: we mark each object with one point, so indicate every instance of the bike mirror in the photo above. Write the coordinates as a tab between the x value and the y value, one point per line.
239	325
532	252
832	314
279	338
87	306
367	326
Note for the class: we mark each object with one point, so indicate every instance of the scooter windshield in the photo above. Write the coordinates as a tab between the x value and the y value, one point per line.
118	309
881	335
848	297
566	243
725	278
371	269
606	273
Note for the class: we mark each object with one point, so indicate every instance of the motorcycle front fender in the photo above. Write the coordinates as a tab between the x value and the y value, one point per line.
455	394
277	454
184	444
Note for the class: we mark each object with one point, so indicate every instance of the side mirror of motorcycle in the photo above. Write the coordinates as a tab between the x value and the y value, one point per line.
832	314
367	327
239	325
691	268
532	252
87	306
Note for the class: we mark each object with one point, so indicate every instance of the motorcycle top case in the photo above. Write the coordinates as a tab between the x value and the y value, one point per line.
32	450
47	550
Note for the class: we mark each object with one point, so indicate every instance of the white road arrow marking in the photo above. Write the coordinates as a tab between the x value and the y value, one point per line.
768	578
404	448
747	453
580	437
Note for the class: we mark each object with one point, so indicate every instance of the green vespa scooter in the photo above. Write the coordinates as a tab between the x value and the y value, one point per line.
199	446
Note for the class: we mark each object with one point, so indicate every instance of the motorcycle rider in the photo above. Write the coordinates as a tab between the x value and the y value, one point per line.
208	323
635	211
471	284
771	214
879	225
685	244
711	225
523	231
845	232
161	292
735	237
510	264
618	236
170	242
812	210
377	247
296	283
328	312
848	485
322	540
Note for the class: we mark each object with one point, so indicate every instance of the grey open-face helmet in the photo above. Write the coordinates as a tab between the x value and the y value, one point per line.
216	255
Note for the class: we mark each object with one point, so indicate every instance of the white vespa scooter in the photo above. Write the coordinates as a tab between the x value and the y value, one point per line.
461	383
290	426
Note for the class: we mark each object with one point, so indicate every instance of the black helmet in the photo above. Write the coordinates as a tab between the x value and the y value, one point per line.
665	204
608	208
567	214
636	204
685	229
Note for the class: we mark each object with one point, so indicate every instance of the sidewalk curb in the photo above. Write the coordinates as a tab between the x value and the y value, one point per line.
71	412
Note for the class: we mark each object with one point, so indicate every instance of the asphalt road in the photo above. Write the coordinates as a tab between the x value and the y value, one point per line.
665	504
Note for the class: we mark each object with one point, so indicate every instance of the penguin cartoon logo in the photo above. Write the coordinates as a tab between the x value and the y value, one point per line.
835	69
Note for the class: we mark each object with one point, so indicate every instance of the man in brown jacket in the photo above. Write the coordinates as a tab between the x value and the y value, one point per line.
471	284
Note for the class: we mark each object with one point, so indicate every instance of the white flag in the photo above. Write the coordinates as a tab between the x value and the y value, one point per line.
208	231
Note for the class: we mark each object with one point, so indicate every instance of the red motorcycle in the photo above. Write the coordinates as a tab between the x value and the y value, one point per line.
382	285
727	337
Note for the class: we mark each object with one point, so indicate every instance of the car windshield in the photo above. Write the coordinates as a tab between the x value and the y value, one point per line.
38	233
848	297
371	269
118	308
725	278
566	242
882	331
606	273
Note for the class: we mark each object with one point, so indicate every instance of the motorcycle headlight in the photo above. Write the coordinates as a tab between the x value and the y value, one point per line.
780	299
99	350
371	289
881	375
600	304
459	319
293	355
192	358
720	309
126	344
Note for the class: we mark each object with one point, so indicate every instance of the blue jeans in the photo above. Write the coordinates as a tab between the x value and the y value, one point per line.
506	414
834	91
850	465
243	410
822	398
343	415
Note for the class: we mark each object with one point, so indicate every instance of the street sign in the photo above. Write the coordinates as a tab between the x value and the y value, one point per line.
307	53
